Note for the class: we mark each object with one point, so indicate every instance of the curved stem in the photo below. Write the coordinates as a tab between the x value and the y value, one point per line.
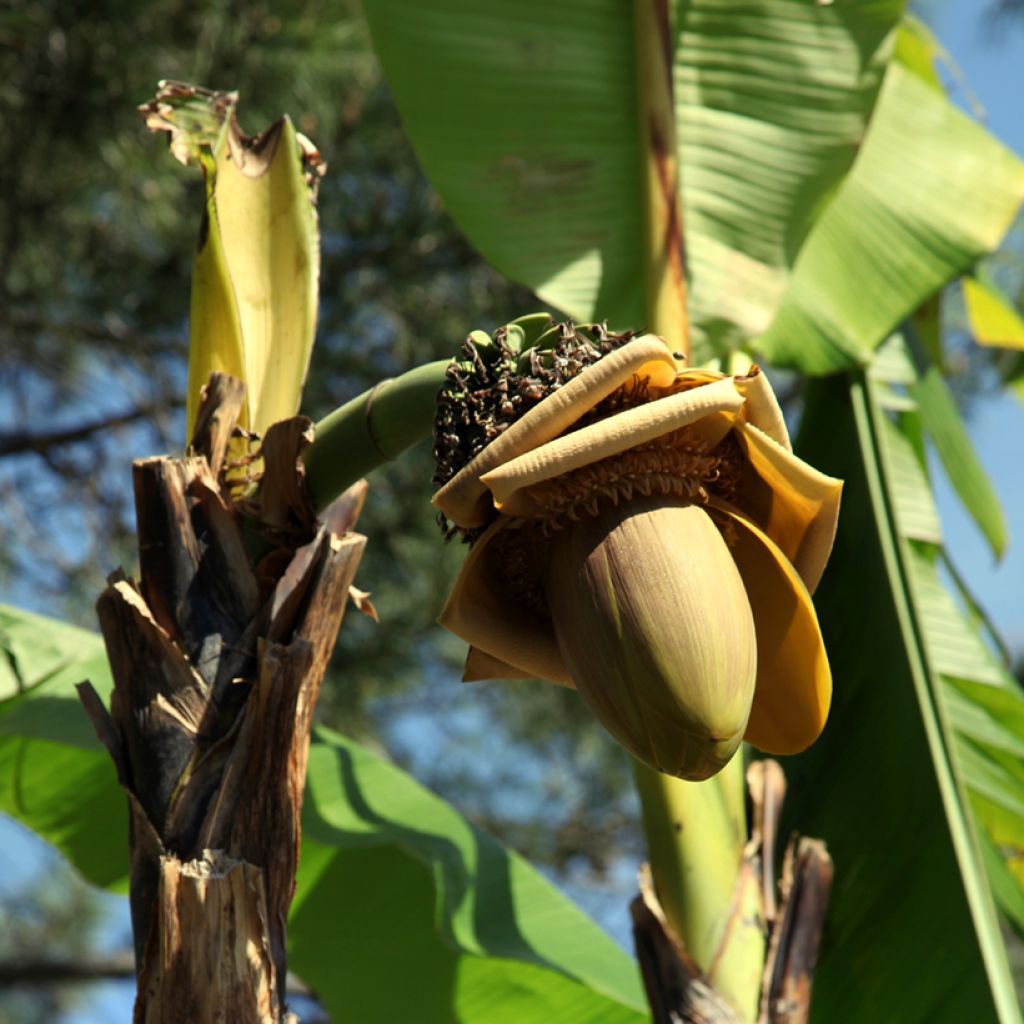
373	428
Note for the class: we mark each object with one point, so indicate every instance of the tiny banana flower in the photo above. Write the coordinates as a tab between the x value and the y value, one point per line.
645	534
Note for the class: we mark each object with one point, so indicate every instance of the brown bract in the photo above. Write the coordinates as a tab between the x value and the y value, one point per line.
651	540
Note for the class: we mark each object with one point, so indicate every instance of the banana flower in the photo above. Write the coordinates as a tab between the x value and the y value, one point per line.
650	539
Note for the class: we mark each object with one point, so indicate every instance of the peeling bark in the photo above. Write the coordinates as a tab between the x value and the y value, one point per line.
217	664
793	953
678	992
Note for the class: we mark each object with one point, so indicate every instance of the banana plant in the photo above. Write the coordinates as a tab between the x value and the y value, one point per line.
736	183
802	161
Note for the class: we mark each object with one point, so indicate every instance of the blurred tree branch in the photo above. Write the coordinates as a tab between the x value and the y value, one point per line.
14	443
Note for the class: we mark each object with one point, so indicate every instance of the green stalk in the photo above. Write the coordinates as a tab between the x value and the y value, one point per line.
695	831
373	428
695	834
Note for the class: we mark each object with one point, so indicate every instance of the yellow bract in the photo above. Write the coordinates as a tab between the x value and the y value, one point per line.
656	552
255	278
256	275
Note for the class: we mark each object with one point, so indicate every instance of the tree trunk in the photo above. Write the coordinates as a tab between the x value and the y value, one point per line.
217	658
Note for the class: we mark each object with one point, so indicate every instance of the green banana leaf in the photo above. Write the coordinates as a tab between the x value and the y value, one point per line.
816	170
929	192
523	117
773	101
910	749
940	417
403	909
982	702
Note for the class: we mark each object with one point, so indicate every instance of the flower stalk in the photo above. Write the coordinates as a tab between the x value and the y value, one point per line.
371	429
639	531
644	534
696	833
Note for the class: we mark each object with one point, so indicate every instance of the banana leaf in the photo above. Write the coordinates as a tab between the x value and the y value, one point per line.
816	167
888	786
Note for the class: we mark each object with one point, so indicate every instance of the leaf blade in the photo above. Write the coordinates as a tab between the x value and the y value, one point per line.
905	220
941	419
878	812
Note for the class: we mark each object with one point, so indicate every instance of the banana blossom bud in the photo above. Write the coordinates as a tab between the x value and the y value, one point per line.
651	540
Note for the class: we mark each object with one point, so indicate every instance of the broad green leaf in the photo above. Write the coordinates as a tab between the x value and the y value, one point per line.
991	317
524	118
973	721
70	798
54	776
954	647
772	99
882	786
912	498
1006	888
507	945
523	115
982	703
393	882
1006	835
991	781
919	51
941	419
800	194
32	655
929	193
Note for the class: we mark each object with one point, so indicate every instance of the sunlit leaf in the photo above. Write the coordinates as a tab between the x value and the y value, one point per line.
484	937
54	776
773	99
991	317
918	50
941	419
541	166
1007	888
929	193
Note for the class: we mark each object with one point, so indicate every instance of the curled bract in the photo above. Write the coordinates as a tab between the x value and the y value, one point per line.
649	538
